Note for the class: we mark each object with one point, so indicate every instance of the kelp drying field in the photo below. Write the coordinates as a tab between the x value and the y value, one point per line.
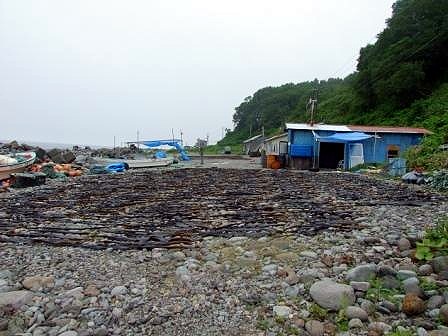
173	208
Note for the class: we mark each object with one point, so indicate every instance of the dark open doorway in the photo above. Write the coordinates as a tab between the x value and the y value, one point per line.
331	154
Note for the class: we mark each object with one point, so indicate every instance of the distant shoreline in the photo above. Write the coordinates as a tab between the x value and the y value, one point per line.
51	145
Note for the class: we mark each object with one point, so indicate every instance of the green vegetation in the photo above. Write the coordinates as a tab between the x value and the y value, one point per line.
402	332
400	80
377	292
439	179
263	324
341	321
291	330
280	320
427	285
435	242
318	312
235	149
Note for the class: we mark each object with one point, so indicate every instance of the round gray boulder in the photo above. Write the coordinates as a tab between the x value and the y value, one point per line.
331	295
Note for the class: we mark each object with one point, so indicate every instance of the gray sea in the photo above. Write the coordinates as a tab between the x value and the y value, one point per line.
51	145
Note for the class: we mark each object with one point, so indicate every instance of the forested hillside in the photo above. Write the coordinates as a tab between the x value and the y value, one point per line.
402	80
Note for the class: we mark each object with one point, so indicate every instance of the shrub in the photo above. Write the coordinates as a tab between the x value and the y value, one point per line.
435	242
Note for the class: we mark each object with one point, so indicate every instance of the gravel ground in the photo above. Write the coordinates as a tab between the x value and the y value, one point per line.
238	285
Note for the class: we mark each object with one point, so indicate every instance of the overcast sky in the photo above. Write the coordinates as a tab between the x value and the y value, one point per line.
84	71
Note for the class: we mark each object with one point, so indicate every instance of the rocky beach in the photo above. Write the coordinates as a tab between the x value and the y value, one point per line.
220	252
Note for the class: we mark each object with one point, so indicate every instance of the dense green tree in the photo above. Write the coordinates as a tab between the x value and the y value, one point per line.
399	81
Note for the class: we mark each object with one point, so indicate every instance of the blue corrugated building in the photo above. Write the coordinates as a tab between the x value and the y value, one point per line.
346	146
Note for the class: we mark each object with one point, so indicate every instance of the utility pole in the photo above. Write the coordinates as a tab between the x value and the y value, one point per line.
313	103
181	138
114	142
138	140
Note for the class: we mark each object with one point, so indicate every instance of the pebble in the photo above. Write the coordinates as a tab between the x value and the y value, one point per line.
413	305
411	285
435	301
309	254
433	313
353	312
281	311
77	292
314	328
15	299
178	255
69	333
380	327
119	290
37	282
443	313
362	273
355	323
368	306
390	282
270	269
379	249
425	269
390	306
360	286
406	274
385	270
421	332
440	264
91	290
331	295
292	291
404	244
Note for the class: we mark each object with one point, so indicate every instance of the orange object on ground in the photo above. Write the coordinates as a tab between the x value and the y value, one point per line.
276	165
74	173
270	159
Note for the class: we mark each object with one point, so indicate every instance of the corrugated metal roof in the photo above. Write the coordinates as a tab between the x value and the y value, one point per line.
253	138
318	127
388	129
357	128
277	136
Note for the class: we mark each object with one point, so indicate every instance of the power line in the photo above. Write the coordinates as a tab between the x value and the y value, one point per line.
387	71
400	11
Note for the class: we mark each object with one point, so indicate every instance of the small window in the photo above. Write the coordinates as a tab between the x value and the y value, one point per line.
393	151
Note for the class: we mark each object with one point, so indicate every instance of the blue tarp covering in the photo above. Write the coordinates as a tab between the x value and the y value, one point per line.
160	154
117	167
345	137
174	143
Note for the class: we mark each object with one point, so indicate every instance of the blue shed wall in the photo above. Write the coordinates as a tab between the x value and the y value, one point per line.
404	141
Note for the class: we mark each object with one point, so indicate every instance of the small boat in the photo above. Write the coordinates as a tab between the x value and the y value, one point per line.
149	163
16	163
139	163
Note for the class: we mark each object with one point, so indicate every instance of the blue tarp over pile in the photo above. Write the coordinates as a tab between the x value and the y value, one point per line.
345	137
174	143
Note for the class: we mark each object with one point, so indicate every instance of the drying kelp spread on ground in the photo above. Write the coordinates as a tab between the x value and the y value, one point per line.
172	208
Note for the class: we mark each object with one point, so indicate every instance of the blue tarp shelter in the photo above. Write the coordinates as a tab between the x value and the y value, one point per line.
353	150
173	143
344	137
